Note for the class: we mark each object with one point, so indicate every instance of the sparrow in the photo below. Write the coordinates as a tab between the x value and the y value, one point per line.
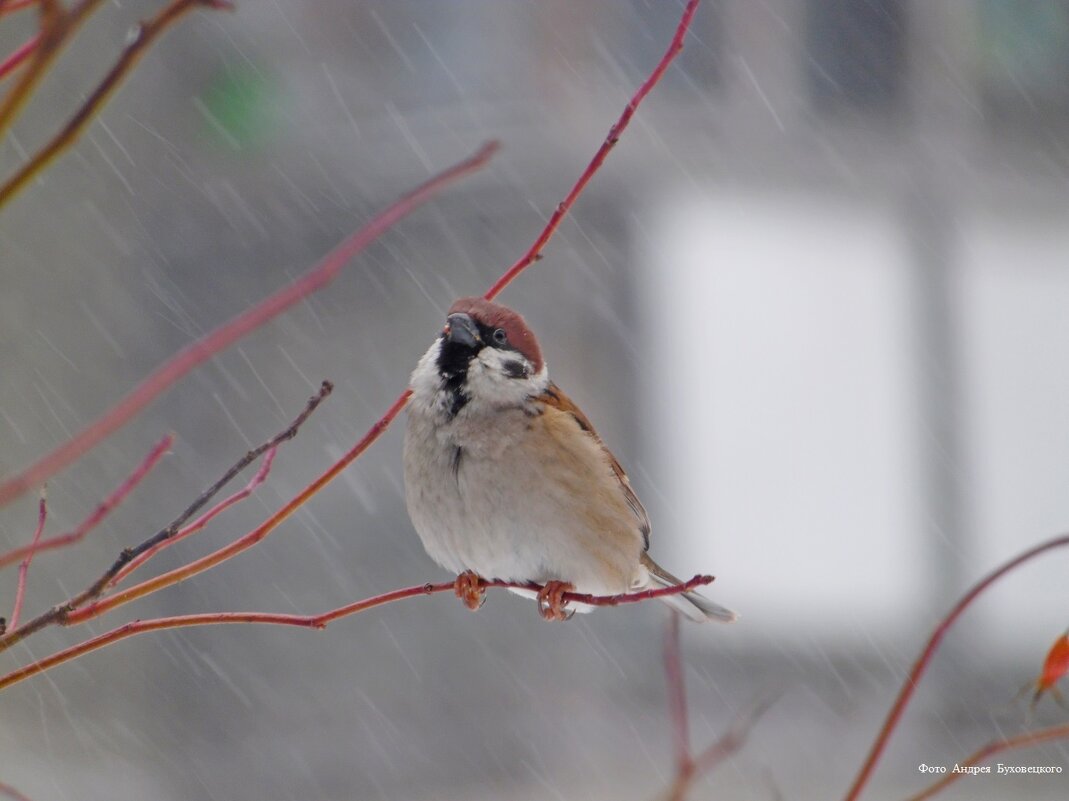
506	478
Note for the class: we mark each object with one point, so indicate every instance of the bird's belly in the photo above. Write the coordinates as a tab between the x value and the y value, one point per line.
496	513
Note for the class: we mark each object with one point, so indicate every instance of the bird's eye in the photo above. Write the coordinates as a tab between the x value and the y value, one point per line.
500	337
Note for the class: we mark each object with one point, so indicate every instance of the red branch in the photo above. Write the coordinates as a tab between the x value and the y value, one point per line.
248	540
203	520
319	621
919	667
1010	743
24	568
18	55
535	252
677	695
690	768
102	510
11	6
211	344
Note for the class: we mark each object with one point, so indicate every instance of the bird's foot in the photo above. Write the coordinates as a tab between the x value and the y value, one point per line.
550	601
469	589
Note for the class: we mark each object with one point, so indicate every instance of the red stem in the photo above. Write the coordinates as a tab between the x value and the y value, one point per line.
248	540
103	508
18	55
911	682
317	621
677	695
11	6
203	520
535	251
24	568
224	336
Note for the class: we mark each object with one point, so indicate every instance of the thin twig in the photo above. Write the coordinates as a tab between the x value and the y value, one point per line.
234	548
214	342
1010	743
727	745
677	694
147	33
56	25
11	6
690	768
24	568
18	55
733	739
919	667
61	612
203	520
102	510
319	621
535	252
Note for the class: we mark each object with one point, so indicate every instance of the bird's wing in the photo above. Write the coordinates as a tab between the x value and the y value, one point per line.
556	399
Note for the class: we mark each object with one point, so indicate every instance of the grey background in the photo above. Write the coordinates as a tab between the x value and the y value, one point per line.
247	145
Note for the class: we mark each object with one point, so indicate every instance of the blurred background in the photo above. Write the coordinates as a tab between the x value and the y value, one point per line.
815	302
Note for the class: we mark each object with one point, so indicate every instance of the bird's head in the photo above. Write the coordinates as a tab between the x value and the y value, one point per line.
485	357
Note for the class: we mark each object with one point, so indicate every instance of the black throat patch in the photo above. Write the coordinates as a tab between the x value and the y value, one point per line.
453	362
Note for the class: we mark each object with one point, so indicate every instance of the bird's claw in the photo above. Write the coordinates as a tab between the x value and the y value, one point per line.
551	602
468	588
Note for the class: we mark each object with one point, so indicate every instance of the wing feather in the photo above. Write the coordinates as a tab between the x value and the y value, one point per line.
553	397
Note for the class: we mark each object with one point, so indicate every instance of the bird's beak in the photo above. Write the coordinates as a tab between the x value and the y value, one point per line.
461	329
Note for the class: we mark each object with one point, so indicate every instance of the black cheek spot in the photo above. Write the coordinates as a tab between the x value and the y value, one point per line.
515	369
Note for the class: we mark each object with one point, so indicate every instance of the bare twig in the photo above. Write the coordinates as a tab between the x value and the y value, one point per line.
733	739
147	33
244	543
18	56
204	519
24	568
319	621
1025	740
728	744
919	667
11	6
214	342
534	253
677	694
690	768
56	25
103	509
60	613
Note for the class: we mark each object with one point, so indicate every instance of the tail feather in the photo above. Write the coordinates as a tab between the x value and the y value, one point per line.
693	605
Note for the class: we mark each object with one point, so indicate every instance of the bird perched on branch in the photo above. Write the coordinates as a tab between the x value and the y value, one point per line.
506	478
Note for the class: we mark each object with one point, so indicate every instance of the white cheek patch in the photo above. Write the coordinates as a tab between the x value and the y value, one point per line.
490	380
490	383
425	379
